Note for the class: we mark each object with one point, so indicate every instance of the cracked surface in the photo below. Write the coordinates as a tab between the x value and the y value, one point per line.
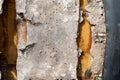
95	17
84	43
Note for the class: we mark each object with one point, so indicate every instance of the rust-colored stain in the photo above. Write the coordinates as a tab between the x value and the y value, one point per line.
18	32
24	24
84	43
22	32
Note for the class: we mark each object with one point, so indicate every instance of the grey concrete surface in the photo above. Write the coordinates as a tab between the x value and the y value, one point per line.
50	52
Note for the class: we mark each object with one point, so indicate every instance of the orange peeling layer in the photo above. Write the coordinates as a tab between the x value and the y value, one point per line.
84	43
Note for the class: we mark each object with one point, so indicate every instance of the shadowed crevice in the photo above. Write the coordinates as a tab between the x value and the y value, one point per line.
8	42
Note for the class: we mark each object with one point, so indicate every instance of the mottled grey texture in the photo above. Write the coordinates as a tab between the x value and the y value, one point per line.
51	51
21	6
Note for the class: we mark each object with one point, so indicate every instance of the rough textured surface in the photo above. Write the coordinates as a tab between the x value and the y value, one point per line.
50	51
47	32
94	11
96	17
